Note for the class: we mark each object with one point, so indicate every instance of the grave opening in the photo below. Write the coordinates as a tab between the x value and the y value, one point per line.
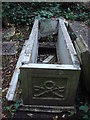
47	53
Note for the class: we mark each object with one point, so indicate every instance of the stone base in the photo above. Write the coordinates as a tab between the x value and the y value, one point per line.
45	112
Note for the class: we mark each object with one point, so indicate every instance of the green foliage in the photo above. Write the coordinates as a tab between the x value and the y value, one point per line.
17	104
24	13
85	117
11	109
71	114
84	107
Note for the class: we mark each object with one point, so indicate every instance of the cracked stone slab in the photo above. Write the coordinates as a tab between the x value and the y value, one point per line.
9	48
80	28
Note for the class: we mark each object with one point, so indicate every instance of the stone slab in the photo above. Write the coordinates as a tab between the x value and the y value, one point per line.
9	48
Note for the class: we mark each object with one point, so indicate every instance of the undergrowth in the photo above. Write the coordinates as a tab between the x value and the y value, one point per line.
24	12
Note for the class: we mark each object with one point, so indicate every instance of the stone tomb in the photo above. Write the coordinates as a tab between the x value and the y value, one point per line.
49	69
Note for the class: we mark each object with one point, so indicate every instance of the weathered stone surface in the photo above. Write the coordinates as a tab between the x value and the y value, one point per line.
84	57
9	48
79	28
48	27
49	59
25	57
52	85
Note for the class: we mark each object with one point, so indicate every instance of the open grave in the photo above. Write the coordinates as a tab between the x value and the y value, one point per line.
49	69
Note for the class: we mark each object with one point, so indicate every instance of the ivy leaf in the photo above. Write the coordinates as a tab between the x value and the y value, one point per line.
71	114
8	108
84	108
19	77
69	10
39	17
85	117
17	104
67	16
